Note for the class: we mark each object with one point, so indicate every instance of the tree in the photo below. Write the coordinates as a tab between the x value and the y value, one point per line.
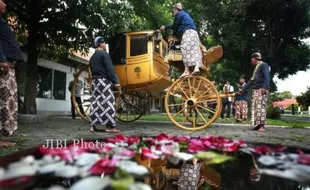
304	98
55	26
273	27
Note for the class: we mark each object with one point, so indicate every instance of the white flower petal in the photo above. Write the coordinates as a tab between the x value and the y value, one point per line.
140	186
87	159
51	168
93	183
25	170
67	172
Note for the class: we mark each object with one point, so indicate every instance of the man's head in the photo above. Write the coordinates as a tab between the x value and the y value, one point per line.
226	82
255	58
242	79
2	7
99	42
177	7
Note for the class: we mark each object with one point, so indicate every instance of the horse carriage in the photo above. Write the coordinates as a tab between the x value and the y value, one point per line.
142	61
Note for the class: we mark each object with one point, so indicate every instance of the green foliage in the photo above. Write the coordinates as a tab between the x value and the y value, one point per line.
304	98
214	158
273	112
273	27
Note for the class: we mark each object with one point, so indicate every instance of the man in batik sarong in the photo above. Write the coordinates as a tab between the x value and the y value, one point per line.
185	28
260	85
241	102
102	110
10	56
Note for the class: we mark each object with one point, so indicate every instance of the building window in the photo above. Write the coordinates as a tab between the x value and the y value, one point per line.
59	87
51	84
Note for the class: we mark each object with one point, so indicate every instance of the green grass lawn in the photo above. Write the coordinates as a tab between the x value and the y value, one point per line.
277	122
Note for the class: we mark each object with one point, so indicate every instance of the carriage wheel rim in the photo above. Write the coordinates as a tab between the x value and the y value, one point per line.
192	100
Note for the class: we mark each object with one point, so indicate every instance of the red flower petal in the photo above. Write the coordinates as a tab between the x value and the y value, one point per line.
148	153
20	181
262	150
161	137
304	159
106	166
195	146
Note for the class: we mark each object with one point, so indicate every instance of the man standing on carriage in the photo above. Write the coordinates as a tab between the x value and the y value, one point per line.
185	28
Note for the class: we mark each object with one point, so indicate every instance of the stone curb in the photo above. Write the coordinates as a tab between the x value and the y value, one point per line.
32	119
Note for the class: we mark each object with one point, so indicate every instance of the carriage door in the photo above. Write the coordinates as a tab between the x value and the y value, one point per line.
138	59
117	51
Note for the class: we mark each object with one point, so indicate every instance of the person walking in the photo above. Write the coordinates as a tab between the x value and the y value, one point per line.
10	57
78	89
185	28
241	102
259	82
102	108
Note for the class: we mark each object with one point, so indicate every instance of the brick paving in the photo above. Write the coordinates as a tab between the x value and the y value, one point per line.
60	127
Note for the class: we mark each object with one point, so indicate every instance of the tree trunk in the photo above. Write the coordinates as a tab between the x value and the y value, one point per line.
29	106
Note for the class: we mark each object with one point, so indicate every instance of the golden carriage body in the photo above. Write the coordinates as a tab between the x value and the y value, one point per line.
142	61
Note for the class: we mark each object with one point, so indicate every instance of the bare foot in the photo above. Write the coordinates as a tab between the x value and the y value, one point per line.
91	129
184	75
196	71
262	129
6	144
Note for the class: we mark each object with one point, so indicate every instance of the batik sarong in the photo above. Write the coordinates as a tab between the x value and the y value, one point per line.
241	110
8	104
190	47
102	110
259	107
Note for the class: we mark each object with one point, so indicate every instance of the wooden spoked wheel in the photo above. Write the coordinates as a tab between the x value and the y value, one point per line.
199	101
82	80
130	106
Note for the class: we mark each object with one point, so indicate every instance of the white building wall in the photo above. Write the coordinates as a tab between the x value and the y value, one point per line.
51	105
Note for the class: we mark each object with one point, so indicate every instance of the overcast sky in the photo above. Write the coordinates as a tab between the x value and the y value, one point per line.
297	83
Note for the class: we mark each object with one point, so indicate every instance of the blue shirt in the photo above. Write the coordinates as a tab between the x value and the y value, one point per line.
9	49
102	67
261	78
182	22
243	96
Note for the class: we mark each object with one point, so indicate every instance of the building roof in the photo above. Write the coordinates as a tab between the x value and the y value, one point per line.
284	103
80	56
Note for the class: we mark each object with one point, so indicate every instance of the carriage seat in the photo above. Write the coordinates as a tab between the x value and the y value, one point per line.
174	53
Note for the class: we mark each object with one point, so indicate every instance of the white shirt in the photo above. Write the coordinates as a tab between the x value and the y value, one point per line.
230	89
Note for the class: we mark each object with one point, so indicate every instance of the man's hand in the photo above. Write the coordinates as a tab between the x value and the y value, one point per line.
264	91
4	68
162	28
118	88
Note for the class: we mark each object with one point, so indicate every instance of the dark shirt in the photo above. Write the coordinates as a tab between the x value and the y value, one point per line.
102	67
182	22
9	49
243	96
261	78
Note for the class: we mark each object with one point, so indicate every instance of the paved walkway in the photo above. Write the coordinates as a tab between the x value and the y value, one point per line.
30	135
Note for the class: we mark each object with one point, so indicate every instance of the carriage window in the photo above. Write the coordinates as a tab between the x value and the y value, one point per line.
138	45
117	48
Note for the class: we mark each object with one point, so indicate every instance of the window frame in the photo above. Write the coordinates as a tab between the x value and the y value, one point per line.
52	85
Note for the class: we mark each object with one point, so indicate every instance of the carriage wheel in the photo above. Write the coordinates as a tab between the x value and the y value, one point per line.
85	75
130	106
199	100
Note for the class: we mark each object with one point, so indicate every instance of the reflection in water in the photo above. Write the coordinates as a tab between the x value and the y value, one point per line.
240	174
